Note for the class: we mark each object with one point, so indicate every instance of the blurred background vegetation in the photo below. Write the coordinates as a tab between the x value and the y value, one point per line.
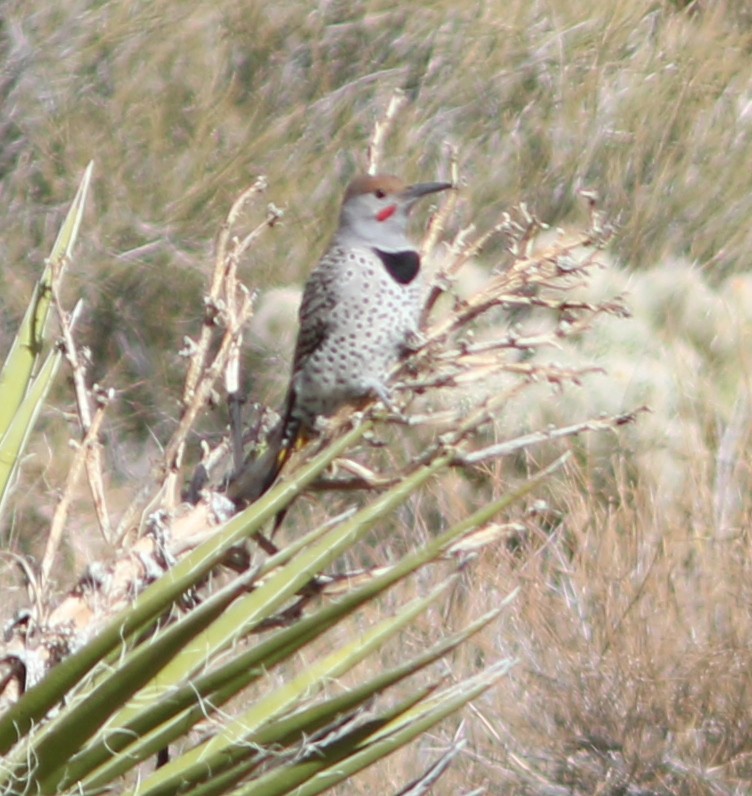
648	102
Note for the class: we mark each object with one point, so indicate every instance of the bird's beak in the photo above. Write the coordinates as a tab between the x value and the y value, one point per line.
414	192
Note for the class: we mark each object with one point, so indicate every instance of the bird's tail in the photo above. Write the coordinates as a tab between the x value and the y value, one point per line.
257	475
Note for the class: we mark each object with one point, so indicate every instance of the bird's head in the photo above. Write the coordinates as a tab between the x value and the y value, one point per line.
375	210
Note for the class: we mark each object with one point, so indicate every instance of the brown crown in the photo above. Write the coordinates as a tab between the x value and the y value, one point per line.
369	183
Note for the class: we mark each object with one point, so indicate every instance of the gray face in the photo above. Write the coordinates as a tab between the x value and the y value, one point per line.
378	214
371	220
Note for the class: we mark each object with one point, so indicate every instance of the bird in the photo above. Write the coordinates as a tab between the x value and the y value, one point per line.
358	317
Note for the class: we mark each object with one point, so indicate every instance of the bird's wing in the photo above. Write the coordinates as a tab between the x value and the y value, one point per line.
319	299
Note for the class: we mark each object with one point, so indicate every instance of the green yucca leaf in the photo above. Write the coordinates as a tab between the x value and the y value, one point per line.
306	722
157	598
290	774
217	687
250	610
246	613
27	345
328	763
85	715
189	702
22	394
13	441
214	755
53	746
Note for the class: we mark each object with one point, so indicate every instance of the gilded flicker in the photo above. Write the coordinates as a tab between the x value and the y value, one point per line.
360	310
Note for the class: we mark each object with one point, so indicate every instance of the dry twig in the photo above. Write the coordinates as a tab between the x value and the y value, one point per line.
380	130
88	455
228	306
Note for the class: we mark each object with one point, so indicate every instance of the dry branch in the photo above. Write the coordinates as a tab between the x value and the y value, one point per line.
91	406
228	306
381	129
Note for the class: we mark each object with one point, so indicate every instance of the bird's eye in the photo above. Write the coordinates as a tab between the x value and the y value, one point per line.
379	194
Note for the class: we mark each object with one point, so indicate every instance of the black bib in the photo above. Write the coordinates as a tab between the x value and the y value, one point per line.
403	267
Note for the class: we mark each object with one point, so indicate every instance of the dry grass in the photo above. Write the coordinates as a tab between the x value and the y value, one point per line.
632	626
633	648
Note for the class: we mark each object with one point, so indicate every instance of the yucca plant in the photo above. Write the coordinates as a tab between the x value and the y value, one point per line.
243	682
